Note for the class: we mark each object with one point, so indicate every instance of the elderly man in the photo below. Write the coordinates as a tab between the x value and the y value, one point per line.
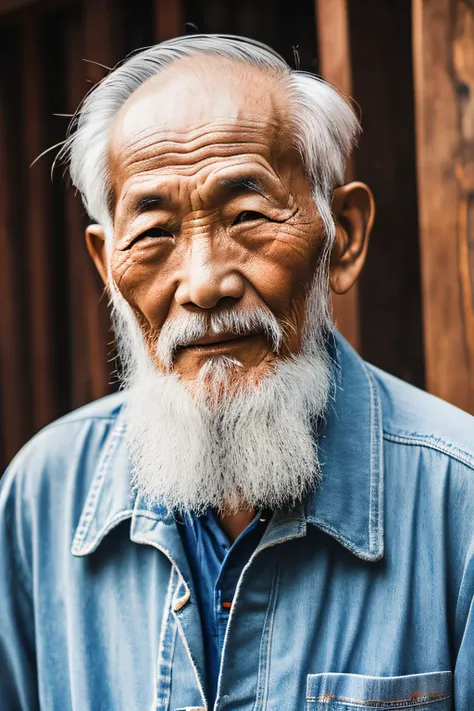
259	520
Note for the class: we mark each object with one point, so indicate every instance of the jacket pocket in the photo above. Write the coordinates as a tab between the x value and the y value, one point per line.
356	692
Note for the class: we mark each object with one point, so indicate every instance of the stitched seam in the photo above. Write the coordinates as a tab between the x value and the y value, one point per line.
75	421
118	518
257	552
165	653
181	632
94	494
372	434
422	441
387	705
265	645
375	482
375	420
346	542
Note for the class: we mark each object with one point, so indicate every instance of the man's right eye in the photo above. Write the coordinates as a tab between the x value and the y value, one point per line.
156	232
153	232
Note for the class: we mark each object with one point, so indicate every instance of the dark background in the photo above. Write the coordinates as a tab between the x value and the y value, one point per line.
56	345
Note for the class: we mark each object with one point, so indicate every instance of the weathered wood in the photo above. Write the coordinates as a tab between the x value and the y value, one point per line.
82	367
389	287
40	253
168	19
10	5
335	67
14	371
11	11
100	32
100	44
443	44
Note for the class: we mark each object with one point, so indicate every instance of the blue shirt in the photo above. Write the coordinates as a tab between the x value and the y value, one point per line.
359	597
216	566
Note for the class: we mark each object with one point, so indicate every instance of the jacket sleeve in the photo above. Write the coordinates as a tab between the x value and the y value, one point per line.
464	668
18	678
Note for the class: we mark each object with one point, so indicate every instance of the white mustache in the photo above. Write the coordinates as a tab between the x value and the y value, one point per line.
181	332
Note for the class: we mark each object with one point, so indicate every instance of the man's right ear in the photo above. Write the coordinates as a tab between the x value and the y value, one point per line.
95	240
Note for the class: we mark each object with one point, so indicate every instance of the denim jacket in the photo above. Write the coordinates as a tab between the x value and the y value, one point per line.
358	598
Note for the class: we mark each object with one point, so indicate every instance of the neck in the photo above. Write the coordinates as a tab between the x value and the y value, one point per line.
234	524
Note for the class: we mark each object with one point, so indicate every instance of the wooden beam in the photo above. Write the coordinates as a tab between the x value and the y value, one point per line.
101	45
101	38
15	403
389	289
335	67
168	19
40	253
83	331
10	5
443	45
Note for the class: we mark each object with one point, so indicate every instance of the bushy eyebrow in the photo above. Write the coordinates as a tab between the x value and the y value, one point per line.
242	185
227	187
146	203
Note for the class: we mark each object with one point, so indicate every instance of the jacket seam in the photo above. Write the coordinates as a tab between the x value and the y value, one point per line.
79	420
96	488
419	440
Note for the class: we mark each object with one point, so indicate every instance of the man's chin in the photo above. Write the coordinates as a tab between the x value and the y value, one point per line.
224	378
248	353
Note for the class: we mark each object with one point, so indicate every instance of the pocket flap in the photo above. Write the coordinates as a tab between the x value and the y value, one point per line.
397	692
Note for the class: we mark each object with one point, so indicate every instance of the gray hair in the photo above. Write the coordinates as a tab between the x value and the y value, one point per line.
325	127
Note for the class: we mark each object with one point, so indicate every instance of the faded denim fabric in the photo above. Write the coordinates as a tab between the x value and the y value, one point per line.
216	566
359	598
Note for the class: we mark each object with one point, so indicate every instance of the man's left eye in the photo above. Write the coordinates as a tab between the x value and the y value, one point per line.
249	216
156	232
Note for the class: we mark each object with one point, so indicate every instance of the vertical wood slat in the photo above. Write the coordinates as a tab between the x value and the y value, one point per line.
39	244
335	67
14	390
99	45
168	19
82	368
443	44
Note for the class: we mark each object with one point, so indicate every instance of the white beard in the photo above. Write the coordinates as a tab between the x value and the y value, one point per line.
254	448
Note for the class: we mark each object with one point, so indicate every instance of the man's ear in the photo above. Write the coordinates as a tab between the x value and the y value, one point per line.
353	209
95	240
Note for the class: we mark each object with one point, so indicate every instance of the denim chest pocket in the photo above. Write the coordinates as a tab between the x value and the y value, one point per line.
356	692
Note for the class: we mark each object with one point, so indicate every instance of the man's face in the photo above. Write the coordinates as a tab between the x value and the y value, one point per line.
213	210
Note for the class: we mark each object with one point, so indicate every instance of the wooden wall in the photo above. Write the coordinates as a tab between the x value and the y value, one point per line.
412	312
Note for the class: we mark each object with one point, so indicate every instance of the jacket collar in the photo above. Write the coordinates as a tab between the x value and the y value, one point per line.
348	505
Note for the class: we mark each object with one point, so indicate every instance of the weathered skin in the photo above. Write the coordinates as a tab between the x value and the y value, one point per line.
185	239
174	143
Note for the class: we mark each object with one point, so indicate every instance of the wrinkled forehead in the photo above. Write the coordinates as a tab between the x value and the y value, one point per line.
202	96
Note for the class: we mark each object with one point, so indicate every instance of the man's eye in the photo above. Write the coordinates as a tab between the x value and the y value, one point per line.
156	232
249	216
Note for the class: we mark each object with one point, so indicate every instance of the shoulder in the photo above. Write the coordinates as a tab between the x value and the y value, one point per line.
62	457
107	408
415	418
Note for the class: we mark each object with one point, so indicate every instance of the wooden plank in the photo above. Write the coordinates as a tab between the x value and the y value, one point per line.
14	376
100	38
39	245
335	67
10	5
101	45
168	19
443	46
14	10
389	287
81	366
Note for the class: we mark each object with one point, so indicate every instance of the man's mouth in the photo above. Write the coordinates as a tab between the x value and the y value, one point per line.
220	342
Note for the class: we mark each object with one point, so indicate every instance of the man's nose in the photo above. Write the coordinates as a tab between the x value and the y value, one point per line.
208	277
